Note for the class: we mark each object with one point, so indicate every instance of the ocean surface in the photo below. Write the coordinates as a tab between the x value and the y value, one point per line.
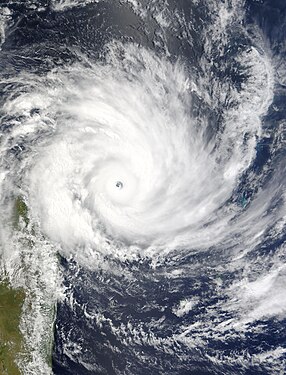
147	140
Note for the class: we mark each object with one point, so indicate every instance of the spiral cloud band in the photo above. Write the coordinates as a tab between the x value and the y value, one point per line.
131	125
140	176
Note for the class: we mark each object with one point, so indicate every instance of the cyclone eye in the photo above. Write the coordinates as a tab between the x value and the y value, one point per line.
119	185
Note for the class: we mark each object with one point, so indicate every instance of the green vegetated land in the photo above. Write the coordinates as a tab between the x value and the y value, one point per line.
11	340
11	302
20	213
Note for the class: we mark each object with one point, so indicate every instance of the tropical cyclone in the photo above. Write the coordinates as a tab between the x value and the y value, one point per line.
129	120
139	163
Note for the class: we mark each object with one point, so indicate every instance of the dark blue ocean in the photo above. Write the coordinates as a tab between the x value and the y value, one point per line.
220	310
